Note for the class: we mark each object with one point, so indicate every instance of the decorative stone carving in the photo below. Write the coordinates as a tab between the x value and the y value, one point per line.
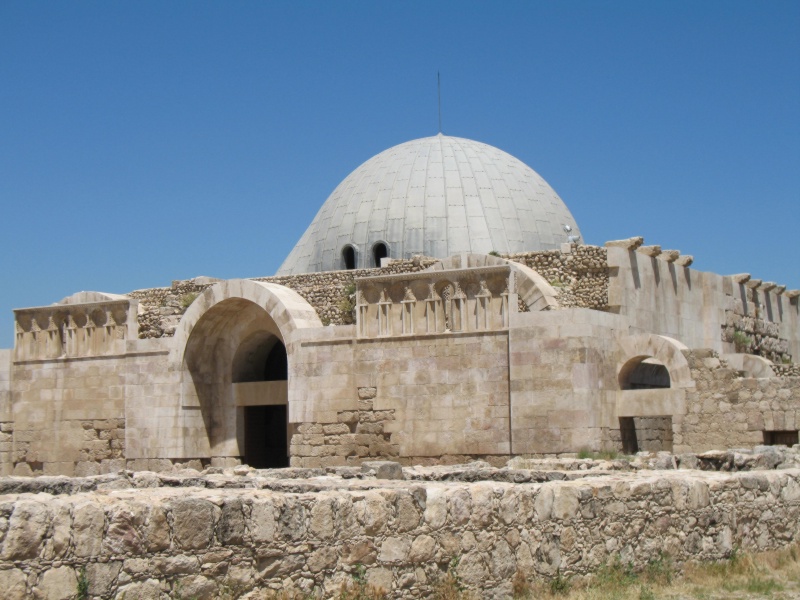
72	330
454	300
684	260
741	277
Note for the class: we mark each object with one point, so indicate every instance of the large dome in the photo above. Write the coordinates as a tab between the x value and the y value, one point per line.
435	196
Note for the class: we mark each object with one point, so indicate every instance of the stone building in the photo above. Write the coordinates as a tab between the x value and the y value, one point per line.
441	307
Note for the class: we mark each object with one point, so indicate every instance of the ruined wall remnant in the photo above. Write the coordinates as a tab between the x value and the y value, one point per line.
140	536
727	410
580	276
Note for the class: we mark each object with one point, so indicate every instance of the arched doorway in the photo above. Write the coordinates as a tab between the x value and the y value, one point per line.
260	385
234	348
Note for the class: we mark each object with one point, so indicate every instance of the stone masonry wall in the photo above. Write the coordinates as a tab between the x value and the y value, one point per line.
747	327
102	449
358	435
580	276
725	410
160	309
194	542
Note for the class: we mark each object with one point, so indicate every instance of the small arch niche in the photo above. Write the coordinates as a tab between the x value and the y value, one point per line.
379	251
644	373
349	257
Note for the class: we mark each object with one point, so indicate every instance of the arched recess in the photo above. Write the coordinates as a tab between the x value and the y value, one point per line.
658	350
644	373
533	289
231	342
349	257
652	374
380	250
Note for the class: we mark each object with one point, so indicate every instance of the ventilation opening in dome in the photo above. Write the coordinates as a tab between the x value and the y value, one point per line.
379	251
349	258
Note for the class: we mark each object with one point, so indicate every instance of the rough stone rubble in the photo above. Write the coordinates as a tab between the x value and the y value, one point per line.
241	531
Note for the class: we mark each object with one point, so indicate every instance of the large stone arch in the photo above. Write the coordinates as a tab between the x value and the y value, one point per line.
533	289
229	324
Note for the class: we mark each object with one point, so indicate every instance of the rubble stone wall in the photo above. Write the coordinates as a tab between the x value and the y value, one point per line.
161	308
580	276
167	542
725	410
750	329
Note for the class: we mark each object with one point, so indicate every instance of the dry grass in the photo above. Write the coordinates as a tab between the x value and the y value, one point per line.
770	575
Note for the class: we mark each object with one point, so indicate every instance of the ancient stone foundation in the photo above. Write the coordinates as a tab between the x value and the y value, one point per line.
243	532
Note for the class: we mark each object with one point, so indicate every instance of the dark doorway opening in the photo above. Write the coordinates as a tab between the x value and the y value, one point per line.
379	251
265	437
627	430
648	434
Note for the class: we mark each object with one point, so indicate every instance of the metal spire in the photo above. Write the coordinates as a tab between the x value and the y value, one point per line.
439	86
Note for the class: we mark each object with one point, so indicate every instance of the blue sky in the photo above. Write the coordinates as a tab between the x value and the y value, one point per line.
142	142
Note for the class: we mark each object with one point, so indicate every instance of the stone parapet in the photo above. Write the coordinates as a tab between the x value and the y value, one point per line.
74	330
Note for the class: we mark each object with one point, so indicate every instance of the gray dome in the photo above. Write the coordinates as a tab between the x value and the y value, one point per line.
435	196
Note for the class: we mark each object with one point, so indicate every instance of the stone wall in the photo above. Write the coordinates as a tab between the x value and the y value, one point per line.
749	329
436	395
657	292
580	276
68	416
161	308
134	538
787	370
725	410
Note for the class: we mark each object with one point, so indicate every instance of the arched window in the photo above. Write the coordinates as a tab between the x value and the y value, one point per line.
379	251
349	257
643	373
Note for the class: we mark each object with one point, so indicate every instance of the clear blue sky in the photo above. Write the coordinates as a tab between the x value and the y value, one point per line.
142	142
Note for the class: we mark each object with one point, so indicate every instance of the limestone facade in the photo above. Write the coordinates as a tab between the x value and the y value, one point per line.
422	361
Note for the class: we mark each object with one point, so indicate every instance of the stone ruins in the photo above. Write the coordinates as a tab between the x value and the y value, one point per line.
441	309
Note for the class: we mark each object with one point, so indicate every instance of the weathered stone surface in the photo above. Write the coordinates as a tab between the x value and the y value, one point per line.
102	577
26	529
145	590
58	584
384	469
403	537
13	584
193	522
